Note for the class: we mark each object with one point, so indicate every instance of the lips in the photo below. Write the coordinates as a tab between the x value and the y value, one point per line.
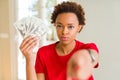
64	38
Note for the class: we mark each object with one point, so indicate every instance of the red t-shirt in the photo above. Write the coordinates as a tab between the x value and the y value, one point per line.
54	66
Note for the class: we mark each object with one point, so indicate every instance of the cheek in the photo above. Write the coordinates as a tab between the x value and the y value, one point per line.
73	34
58	33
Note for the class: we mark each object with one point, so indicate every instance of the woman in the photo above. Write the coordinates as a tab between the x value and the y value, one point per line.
68	58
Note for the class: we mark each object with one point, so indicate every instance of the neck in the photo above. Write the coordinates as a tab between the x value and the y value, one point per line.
65	49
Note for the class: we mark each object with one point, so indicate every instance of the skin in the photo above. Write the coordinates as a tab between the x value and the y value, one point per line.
80	66
67	27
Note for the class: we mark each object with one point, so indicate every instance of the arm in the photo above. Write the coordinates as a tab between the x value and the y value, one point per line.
31	74
26	48
80	65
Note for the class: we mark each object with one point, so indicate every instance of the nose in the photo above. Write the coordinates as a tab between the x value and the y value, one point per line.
65	30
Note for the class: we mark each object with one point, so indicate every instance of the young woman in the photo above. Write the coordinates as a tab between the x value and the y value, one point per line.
68	58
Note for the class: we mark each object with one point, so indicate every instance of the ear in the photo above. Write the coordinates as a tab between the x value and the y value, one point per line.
80	28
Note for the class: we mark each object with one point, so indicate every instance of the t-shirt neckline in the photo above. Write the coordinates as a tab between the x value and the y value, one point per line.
69	54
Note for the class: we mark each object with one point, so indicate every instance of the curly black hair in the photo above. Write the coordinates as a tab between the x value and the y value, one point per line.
72	7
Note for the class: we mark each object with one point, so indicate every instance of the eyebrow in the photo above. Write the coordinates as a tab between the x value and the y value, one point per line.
68	24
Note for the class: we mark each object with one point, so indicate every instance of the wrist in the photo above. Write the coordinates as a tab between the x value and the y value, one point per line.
30	60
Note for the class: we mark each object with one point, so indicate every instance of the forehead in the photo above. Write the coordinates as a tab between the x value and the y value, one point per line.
67	18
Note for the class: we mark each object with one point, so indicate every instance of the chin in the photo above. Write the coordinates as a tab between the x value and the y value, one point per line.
65	42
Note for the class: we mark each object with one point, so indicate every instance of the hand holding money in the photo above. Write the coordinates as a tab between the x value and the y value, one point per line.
31	26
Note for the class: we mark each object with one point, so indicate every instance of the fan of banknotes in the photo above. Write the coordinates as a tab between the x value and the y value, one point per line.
31	26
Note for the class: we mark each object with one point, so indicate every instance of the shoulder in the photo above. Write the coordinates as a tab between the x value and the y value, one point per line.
47	47
46	51
88	45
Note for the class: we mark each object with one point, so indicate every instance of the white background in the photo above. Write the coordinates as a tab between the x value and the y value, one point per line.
103	28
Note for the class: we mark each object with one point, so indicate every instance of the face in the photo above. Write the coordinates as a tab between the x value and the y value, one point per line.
67	27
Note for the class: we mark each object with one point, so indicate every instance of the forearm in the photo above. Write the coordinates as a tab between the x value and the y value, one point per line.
30	71
26	48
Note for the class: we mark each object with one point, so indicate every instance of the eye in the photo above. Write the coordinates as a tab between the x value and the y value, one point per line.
70	27
59	26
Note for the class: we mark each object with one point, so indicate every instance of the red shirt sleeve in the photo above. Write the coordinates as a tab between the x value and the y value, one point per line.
91	46
39	65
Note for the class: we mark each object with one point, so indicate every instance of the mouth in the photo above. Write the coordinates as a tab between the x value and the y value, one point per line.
64	38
